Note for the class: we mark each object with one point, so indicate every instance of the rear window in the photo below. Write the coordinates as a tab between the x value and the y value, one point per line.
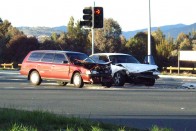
36	56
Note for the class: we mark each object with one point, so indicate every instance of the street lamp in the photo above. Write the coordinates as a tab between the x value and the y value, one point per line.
149	57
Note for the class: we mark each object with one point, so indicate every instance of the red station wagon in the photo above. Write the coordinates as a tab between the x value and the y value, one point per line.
65	67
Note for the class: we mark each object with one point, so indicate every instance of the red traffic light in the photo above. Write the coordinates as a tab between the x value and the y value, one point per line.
97	11
98	17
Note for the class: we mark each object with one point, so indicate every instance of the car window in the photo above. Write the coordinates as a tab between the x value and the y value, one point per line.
79	56
103	58
123	59
36	56
95	58
59	58
48	57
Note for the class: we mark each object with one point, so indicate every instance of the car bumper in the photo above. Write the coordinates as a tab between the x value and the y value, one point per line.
98	79
144	75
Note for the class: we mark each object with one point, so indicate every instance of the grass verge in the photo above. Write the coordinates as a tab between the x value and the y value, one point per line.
20	120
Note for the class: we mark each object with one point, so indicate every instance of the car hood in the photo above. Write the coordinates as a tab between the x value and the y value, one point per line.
138	68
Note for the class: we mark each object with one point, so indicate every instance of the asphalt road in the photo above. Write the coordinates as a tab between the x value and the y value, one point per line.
167	104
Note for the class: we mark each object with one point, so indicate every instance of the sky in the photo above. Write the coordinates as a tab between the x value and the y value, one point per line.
130	14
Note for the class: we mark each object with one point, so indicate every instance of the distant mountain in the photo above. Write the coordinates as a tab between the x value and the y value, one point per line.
39	31
168	30
60	28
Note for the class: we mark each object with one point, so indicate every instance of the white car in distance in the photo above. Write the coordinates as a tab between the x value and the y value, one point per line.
127	69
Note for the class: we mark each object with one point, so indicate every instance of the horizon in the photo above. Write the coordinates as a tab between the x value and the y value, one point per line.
122	30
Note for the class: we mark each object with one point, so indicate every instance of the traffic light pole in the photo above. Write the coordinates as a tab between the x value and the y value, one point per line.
93	18
92	29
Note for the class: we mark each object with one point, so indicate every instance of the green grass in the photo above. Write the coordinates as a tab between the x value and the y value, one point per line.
156	128
20	120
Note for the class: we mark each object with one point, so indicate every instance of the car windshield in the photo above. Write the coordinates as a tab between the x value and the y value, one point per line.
123	59
79	56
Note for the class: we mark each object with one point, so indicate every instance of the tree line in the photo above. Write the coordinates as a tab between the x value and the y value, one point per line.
15	45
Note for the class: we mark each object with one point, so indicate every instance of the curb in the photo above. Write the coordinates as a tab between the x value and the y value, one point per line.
179	77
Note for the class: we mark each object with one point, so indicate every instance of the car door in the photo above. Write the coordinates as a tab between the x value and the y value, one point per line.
44	67
60	67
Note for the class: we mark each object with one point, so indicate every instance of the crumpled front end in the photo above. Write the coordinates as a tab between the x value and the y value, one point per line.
97	73
100	73
139	68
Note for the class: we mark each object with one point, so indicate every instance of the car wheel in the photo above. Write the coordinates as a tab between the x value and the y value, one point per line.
77	80
62	83
35	78
150	82
118	79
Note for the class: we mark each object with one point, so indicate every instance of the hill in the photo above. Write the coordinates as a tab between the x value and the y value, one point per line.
168	30
39	31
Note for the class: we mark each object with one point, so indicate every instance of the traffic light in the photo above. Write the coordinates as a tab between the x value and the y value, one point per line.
98	17
87	17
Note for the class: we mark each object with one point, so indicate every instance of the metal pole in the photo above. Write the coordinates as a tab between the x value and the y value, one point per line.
149	34
178	62
92	29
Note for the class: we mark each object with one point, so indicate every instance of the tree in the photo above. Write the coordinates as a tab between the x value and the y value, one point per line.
18	47
4	28
164	49
192	37
108	39
183	42
54	36
4	37
71	33
7	33
76	37
158	36
137	46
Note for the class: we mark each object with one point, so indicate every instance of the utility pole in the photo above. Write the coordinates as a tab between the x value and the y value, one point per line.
150	57
92	30
149	32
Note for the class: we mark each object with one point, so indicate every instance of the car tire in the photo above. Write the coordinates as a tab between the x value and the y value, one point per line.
35	78
119	79
62	83
77	80
150	82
